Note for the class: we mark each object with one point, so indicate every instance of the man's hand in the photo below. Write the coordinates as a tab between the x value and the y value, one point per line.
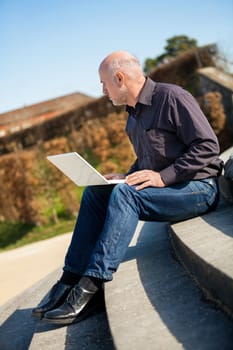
145	178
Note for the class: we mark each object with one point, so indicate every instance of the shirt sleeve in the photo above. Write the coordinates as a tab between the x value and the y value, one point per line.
194	130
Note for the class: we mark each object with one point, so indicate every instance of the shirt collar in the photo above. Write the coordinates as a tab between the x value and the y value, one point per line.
147	91
146	94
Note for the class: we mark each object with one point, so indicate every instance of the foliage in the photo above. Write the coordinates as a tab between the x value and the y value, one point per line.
11	232
179	44
175	46
17	234
212	106
34	191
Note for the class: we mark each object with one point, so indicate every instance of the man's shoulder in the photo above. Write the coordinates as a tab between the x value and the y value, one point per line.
168	88
166	92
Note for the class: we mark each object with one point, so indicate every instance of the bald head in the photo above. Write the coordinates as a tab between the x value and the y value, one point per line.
121	72
122	61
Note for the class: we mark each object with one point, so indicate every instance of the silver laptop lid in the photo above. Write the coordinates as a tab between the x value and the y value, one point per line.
79	170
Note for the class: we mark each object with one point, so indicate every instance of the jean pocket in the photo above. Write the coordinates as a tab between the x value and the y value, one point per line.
207	189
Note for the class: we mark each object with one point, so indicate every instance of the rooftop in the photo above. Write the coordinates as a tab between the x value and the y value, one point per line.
218	76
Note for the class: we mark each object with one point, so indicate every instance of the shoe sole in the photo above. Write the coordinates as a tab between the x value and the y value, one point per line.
86	312
41	314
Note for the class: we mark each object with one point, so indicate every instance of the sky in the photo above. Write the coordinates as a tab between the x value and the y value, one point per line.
51	48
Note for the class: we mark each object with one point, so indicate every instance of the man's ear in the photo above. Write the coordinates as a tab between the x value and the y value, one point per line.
119	76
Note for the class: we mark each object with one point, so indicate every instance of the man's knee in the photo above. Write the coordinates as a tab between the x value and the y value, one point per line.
123	192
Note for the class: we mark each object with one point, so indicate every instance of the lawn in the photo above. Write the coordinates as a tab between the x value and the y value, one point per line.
14	235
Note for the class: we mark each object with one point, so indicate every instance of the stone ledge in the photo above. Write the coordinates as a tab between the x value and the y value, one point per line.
152	303
204	246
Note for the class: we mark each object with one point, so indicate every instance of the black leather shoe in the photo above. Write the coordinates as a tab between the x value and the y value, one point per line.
55	298
79	304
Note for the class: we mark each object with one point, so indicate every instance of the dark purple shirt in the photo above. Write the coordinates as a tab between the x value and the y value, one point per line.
171	135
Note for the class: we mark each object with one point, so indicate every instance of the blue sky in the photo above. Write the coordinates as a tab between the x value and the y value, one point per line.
51	48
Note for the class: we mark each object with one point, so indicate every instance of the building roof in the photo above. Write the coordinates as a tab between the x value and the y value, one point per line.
218	76
26	117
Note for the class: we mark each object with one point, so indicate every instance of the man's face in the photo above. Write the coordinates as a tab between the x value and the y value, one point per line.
112	88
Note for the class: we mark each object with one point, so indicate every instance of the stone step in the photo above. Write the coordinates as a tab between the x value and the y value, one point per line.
152	303
18	330
204	245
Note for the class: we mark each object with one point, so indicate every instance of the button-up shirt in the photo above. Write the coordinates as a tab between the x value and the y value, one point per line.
171	135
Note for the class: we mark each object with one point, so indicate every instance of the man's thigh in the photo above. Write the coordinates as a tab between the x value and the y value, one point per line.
177	202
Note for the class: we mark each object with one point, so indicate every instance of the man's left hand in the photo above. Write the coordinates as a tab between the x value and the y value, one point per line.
145	178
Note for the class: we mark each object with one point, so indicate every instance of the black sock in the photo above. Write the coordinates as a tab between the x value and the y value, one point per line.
90	283
69	278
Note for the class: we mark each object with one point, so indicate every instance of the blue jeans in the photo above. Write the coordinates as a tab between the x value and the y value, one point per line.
109	215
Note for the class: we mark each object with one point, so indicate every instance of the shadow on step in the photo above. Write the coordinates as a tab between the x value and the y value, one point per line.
221	219
179	303
92	333
20	331
17	331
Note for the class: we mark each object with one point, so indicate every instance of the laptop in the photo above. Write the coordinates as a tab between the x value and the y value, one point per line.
79	170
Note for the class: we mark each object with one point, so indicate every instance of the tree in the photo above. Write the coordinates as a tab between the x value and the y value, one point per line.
175	46
178	44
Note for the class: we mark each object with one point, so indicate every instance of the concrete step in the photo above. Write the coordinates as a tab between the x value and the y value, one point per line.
150	303
204	245
226	154
18	330
153	304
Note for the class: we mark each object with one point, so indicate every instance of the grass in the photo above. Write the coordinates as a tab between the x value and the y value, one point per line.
14	235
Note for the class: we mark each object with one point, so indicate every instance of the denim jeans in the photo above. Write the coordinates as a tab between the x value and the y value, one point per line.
109	215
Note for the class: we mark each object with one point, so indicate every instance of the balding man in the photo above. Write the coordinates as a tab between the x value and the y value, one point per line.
173	178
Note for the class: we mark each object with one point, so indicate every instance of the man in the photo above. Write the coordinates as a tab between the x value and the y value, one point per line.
173	178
